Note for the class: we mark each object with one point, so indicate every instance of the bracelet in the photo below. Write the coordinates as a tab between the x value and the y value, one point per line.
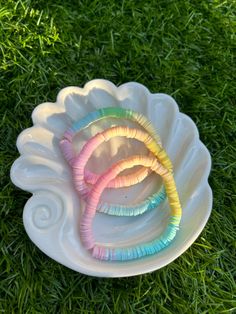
144	249
82	158
114	112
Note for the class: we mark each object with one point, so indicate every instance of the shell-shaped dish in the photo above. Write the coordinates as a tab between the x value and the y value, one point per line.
51	216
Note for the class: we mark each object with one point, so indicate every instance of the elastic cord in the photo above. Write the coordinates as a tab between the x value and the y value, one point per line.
137	251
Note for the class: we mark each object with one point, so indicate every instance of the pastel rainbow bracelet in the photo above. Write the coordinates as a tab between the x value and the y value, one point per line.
66	143
128	253
82	158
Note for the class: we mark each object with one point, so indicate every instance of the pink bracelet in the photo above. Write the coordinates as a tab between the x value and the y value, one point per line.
82	158
127	253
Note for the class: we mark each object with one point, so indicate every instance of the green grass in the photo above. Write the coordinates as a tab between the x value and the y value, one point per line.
183	48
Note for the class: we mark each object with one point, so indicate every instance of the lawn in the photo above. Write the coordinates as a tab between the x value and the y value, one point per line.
183	48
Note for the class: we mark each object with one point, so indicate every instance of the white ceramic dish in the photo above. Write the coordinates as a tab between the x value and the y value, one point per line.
51	215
